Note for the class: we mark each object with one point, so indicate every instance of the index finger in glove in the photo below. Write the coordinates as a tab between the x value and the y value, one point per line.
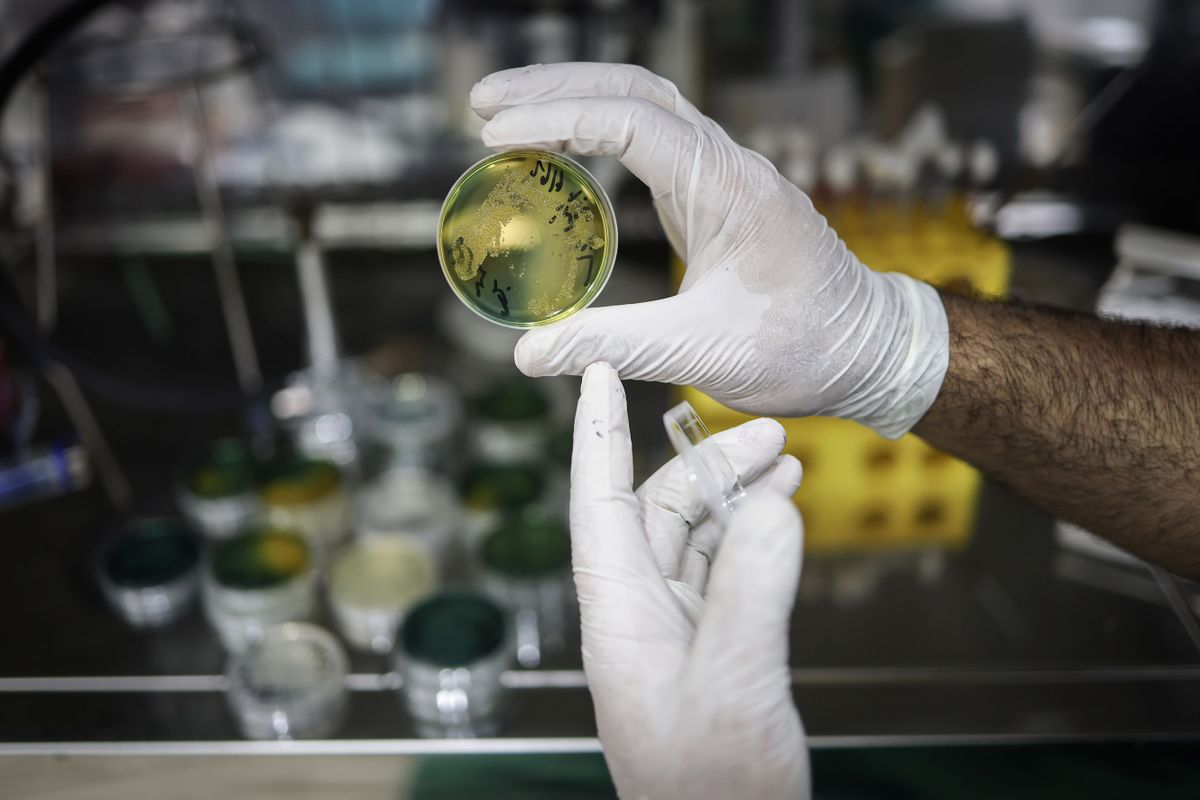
541	82
606	530
657	146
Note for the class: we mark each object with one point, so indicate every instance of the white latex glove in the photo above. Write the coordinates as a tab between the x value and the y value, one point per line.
693	696
775	316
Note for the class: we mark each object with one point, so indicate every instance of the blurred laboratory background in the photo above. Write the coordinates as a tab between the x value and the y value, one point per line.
281	518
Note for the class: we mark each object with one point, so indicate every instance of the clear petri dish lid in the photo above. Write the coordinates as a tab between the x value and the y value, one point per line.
527	238
709	473
290	683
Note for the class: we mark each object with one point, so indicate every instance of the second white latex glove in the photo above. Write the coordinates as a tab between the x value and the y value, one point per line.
692	696
775	316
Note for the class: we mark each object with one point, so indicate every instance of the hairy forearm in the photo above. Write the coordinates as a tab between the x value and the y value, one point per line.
1095	421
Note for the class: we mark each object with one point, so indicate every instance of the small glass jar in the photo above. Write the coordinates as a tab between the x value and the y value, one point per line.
415	418
217	491
308	496
259	578
415	503
290	684
149	572
526	566
372	583
511	422
451	653
491	492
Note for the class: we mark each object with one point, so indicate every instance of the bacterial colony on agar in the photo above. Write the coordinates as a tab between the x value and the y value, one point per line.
527	238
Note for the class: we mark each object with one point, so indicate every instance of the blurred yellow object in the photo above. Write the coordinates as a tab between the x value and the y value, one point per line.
862	492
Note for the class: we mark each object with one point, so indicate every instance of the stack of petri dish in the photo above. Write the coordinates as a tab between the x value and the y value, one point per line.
149	572
526	566
451	653
290	684
372	582
308	496
217	488
490	493
415	418
414	503
511	422
262	577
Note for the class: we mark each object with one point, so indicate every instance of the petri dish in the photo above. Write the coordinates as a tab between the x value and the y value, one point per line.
150	571
307	495
291	684
415	417
528	546
451	653
527	238
217	488
259	578
708	471
527	568
413	503
372	582
490	492
510	422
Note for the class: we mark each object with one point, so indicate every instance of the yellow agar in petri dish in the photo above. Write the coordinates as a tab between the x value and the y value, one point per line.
527	238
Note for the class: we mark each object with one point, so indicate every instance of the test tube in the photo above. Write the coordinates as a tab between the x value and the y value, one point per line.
708	471
451	652
291	684
217	489
526	565
150	571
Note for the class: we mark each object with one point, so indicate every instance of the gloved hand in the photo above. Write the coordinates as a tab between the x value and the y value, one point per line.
691	687
775	316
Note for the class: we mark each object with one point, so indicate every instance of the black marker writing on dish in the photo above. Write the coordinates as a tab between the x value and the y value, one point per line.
553	176
496	290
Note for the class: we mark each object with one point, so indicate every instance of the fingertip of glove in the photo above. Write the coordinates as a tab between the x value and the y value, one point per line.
532	354
766	521
765	432
788	475
597	375
486	96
